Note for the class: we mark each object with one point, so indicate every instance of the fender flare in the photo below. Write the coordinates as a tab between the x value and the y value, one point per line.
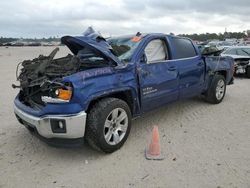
103	94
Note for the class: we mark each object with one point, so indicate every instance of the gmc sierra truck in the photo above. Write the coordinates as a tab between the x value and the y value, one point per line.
93	93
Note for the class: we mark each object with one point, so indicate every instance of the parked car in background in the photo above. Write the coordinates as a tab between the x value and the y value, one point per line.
207	50
241	56
223	45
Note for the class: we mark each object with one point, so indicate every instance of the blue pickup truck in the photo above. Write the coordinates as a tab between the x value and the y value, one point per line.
93	93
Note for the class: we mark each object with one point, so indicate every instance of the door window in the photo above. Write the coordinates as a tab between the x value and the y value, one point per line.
184	48
156	51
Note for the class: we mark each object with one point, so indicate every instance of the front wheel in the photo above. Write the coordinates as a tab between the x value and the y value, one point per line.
217	90
108	124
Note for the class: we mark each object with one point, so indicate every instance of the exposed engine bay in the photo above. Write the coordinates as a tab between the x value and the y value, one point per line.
241	65
41	78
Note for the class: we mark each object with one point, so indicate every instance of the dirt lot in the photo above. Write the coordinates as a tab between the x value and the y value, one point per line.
205	145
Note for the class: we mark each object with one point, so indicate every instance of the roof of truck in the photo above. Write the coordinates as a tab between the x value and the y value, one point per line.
144	35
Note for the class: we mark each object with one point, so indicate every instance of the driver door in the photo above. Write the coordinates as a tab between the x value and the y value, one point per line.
158	77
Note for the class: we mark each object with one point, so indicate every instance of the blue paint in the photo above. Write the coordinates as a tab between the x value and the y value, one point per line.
151	85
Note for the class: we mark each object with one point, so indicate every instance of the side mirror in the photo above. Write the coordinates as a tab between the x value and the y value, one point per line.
143	58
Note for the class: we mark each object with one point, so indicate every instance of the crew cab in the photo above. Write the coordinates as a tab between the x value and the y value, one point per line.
93	93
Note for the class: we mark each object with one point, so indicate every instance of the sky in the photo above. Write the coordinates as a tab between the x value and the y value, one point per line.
45	18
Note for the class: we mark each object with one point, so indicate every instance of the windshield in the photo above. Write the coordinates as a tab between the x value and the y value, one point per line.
89	57
124	47
246	51
238	51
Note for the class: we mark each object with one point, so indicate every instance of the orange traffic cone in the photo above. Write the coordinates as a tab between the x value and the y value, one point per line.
153	152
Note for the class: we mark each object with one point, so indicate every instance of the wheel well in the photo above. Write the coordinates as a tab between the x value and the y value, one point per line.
223	73
123	95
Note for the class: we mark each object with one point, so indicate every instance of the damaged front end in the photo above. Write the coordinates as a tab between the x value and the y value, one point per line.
241	65
41	79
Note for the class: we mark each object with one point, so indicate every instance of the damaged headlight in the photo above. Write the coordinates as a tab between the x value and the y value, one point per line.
60	94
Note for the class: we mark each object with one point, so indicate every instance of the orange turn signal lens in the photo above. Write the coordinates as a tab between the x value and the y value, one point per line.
64	94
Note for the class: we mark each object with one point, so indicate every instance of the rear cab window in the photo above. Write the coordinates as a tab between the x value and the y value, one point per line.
184	48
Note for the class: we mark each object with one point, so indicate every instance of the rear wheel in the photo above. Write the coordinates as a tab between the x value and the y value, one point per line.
217	90
248	71
108	124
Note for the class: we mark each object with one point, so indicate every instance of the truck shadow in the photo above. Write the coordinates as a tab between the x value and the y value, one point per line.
171	114
241	76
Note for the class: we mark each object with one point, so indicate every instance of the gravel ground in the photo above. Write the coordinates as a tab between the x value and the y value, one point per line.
204	145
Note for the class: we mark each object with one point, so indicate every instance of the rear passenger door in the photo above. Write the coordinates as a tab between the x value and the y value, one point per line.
158	77
191	67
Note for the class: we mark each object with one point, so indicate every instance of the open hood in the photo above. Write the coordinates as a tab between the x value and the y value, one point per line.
93	41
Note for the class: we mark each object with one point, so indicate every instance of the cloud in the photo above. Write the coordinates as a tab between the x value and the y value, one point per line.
28	18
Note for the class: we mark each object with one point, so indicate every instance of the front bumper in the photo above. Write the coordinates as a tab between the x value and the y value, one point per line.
69	126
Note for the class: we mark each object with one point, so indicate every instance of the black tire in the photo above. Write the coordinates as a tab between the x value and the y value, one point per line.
97	116
248	71
211	93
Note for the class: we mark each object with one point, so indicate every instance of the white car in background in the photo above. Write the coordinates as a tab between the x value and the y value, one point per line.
241	56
